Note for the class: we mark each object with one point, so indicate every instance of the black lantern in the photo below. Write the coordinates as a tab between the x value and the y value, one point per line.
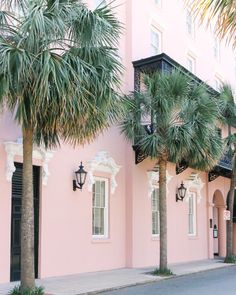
181	192
80	175
215	232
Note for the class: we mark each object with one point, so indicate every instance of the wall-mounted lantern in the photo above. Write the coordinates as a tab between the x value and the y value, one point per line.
181	192
80	176
215	232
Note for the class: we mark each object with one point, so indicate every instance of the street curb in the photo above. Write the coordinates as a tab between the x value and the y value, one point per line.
159	279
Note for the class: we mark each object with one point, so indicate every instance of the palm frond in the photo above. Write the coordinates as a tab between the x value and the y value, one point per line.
59	69
227	105
182	120
220	10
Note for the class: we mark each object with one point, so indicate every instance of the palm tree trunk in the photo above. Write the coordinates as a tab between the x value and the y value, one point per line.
27	214
229	242
163	215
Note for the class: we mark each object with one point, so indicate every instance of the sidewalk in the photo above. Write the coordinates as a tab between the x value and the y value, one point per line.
113	279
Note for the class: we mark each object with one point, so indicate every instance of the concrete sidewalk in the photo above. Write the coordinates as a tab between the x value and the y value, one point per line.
113	279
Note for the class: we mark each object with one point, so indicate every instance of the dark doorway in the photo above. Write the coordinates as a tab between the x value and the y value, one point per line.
16	218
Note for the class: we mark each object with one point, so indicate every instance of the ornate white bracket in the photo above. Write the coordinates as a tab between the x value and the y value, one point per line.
102	163
153	180
16	149
194	182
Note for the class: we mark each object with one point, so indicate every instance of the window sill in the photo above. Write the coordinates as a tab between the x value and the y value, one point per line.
100	240
155	238
192	237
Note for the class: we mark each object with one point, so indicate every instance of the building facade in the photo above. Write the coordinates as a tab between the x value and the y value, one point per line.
114	221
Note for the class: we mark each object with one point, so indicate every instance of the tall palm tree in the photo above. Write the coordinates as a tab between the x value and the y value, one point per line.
171	120
59	73
228	109
222	11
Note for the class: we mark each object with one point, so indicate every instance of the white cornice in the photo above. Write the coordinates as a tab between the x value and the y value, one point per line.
16	149
153	181
102	162
194	182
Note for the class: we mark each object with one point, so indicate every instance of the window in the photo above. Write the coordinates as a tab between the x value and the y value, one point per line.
192	214
155	42
189	23
216	48
100	207
155	212
191	64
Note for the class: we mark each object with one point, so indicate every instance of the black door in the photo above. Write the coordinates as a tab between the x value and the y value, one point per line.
16	218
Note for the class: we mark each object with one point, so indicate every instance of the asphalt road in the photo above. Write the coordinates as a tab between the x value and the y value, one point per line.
214	282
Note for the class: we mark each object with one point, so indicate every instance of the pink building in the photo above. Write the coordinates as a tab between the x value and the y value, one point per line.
113	222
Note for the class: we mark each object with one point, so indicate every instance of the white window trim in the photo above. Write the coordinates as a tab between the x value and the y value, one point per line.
14	149
217	49
152	46
217	83
192	33
158	214
104	163
194	195
106	210
193	60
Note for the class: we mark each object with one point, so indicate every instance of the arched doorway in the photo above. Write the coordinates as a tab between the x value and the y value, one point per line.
219	225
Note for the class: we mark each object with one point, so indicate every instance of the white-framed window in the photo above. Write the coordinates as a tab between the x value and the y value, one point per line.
216	48
155	212
190	26
100	208
191	64
192	215
156	40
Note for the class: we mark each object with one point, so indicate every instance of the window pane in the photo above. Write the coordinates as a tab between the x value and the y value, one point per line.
102	191
96	200
191	205
190	231
155	42
154	223
192	214
98	221
99	214
98	187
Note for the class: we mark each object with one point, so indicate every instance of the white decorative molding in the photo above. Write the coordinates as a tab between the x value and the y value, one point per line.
102	163
194	182
16	149
153	180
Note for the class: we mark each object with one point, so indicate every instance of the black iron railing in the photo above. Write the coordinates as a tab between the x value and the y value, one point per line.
225	162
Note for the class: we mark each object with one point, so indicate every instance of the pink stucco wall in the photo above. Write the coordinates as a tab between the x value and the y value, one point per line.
66	243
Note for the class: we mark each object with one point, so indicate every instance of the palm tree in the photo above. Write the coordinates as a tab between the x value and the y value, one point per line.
59	73
222	11
228	109
172	120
